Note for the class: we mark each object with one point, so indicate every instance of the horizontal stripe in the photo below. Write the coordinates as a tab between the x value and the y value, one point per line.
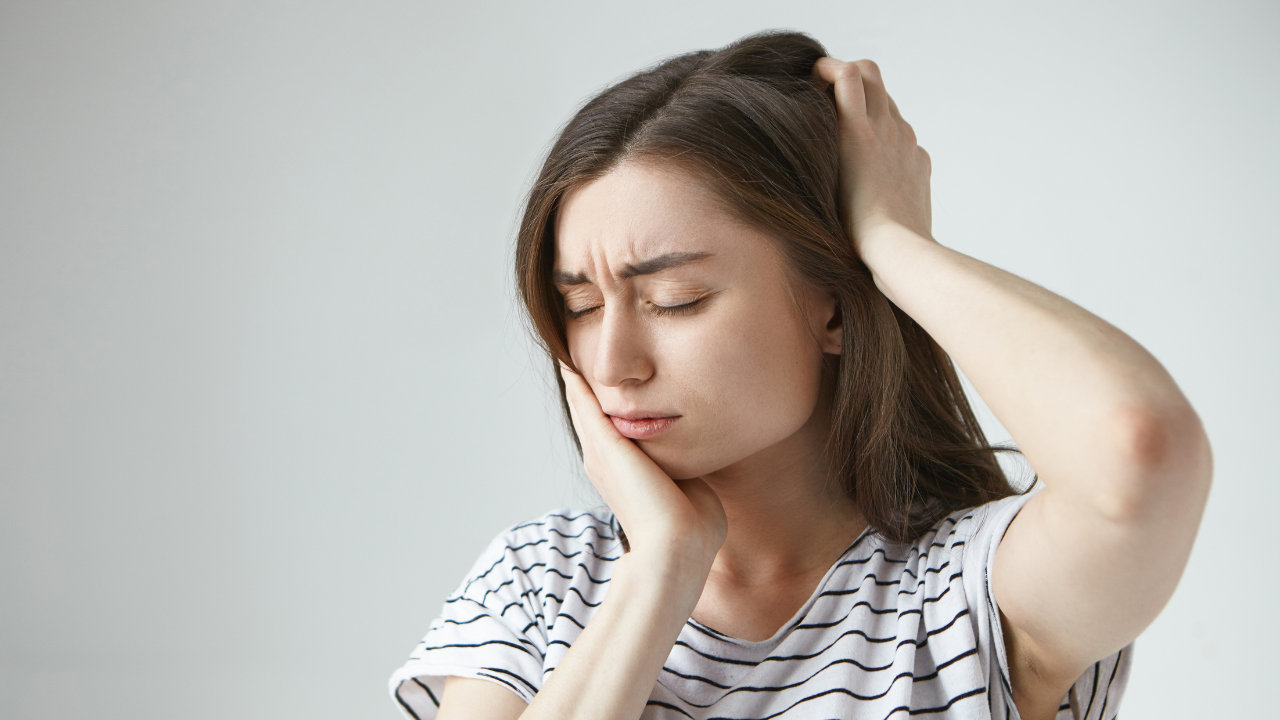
532	688
548	518
893	630
485	643
500	679
814	674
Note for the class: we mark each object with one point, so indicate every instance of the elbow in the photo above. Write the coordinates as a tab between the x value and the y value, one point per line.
1162	462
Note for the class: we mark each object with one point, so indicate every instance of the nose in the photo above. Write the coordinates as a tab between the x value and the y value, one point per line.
622	354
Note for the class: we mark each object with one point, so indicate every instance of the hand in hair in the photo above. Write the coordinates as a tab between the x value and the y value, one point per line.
884	173
1087	564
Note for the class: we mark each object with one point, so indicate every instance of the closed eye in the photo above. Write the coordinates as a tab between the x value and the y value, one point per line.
666	310
682	309
575	314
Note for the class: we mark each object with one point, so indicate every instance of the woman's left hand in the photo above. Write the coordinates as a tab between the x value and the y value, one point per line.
884	174
1092	558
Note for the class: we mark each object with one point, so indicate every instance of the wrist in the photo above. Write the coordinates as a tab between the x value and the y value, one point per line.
875	241
868	237
885	246
675	580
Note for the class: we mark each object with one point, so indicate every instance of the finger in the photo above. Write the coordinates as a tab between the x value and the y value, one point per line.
584	407
893	109
574	395
846	79
609	458
877	98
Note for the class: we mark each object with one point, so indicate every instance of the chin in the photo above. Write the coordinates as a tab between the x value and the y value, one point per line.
699	454
686	471
685	465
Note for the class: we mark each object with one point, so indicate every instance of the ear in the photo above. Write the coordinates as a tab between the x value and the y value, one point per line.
832	335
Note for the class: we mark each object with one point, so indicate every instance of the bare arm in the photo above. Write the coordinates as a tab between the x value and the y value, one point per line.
675	529
1094	557
474	699
611	668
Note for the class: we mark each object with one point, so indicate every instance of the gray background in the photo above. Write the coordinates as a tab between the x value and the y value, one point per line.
264	392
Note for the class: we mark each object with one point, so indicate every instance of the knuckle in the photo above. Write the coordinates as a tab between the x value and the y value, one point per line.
847	72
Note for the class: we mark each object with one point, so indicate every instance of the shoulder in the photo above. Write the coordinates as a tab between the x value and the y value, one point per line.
962	545
968	529
518	609
980	529
951	543
543	553
595	529
587	535
944	574
973	535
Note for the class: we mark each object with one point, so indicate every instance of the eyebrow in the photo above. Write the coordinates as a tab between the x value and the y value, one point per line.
646	267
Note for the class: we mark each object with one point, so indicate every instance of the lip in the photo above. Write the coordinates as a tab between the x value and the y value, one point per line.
642	425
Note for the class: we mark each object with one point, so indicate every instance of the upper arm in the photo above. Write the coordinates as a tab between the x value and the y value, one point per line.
1077	578
474	699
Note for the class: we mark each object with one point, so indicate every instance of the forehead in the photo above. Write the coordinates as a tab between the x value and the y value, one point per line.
638	211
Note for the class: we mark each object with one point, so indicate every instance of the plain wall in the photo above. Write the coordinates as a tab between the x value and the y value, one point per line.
264	391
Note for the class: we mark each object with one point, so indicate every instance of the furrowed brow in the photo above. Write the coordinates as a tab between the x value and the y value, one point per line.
564	278
568	279
663	262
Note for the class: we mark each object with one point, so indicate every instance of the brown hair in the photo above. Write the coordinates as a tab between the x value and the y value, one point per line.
751	124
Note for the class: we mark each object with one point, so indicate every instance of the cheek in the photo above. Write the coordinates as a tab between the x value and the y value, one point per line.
581	343
768	378
747	384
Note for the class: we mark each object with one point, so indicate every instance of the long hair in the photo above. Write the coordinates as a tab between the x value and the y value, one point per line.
752	125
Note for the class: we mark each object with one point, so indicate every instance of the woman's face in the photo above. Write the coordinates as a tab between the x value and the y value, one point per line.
681	314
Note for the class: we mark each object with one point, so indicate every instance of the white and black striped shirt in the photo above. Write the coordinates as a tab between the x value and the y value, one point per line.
891	631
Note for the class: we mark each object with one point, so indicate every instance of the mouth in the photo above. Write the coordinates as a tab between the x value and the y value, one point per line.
638	427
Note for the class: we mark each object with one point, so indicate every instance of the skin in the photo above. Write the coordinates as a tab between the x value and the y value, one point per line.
1084	568
742	367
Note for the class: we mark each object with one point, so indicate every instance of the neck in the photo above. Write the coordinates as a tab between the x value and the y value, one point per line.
789	518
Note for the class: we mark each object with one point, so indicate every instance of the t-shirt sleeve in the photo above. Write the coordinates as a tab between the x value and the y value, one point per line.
490	628
1095	695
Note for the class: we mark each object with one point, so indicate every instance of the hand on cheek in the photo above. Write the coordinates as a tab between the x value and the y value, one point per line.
662	517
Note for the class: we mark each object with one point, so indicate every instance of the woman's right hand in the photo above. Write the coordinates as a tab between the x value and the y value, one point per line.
679	524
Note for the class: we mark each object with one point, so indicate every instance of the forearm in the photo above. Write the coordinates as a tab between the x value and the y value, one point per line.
1088	562
611	669
1093	411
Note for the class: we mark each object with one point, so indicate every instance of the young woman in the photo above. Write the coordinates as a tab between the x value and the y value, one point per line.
729	256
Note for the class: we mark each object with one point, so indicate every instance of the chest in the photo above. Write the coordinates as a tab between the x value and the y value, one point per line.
753	614
857	646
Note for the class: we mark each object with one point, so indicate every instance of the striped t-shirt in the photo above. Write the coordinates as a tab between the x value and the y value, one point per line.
891	631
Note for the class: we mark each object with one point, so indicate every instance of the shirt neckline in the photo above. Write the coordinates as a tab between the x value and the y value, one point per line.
777	637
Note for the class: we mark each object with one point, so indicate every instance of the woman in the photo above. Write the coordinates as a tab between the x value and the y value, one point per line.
729	256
